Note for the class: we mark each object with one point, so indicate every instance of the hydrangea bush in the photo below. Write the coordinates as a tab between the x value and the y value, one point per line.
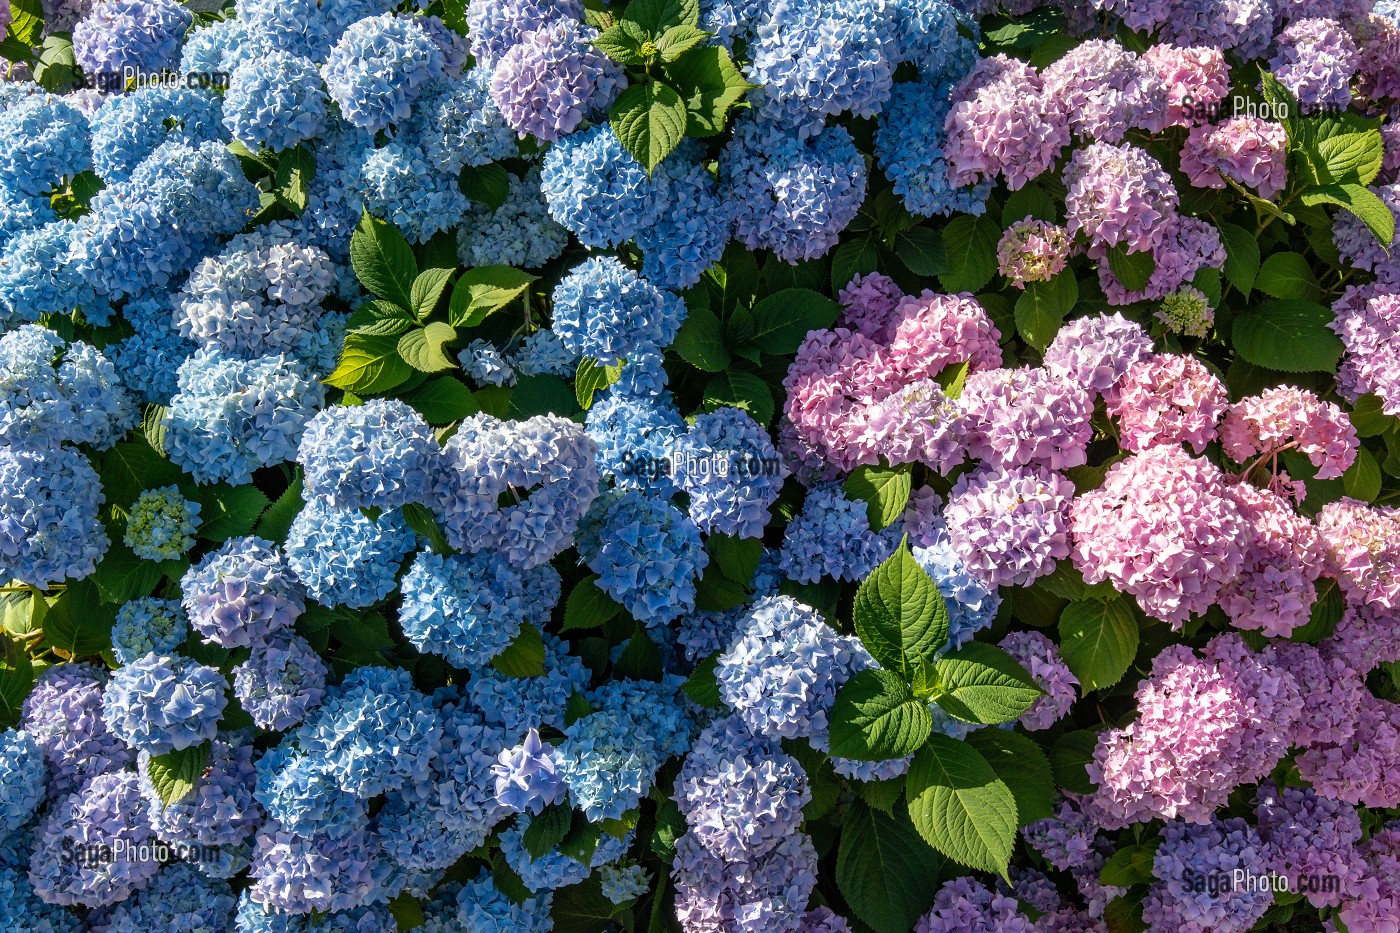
705	466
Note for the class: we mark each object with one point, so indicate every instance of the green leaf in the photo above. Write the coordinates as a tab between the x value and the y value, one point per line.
277	520
737	558
1367	416
407	912
78	624
1362	480
1289	336
427	291
1029	201
960	806
1361	201
876	717
921	249
883	869
702	686
701	341
1021	764
1133	270
588	606
741	390
717	593
27	21
983	684
858	256
523	657
623	43
1072	751
1098	640
362	631
130	467
295	172
885	491
971	243
900	615
783	319
369	365
122	576
1241	257
1288	275
1130	865
656	16
443	400
640	658
649	119
57	69
709	84
229	511
592	378
421	520
1043	306
174	774
422	347
679	39
547	829
483	290
383	261
540	394
488	184
16	679
1354	157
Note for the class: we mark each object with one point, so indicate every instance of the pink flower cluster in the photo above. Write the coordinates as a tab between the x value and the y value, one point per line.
1003	124
1021	417
1196	80
1010	525
1369	324
1205	726
1363	550
1118	194
1032	251
1096	352
1245	149
1167	399
1107	90
1282	551
1186	245
1372	905
1285	417
1365	768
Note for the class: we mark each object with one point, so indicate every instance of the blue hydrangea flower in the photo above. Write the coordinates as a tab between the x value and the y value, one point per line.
793	196
129	127
148	625
597	189
49	529
635	436
63	714
519	704
298	793
481	906
831	537
52	393
163	703
646	552
928	35
484	362
541	353
782	673
162	524
130	34
305	27
456	123
555	870
241	593
374	731
42	139
216	48
231	416
519	233
19	214
220	810
38	276
430	824
380	454
378	66
275	101
728	465
691	226
605	311
343	558
280	682
493	28
148	362
543	469
179	897
623	884
527	776
22	909
406	188
972	605
294	874
658	712
22	778
909	148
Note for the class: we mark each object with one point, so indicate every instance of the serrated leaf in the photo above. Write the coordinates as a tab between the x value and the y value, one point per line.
922	251
369	364
588	606
701	341
741	390
1071	752
900	615
983	684
121	576
547	829
421	520
591	378
383	261
885	491
971	244
423	347
175	774
1241	257
1288	275
277	520
16	679
1043	306
523	657
649	120
27	21
715	592
1289	336
877	717
640	658
622	43
1132	270
1021	764
679	39
488	185
443	400
1359	200
655	16
783	319
78	624
427	290
883	869
709	84
960	806
737	558
701	686
1098	640
130	467
1363	479
1130	865
1352	156
481	291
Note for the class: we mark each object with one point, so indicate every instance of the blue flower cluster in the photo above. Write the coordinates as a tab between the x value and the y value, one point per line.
726	462
275	101
606	312
163	703
241	593
23	779
521	232
466	609
148	626
378	66
342	557
380	454
831	536
909	149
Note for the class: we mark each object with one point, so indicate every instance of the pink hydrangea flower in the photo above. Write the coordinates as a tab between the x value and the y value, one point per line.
1164	529
1186	245
1107	90
1366	637
836	374
923	517
1316	60
1020	417
1364	769
1390	159
1274	591
1118	194
1246	149
932	332
1003	124
1032	251
1372	904
1333	691
1369	324
1010	526
1290	417
1096	352
1204	727
1196	81
867	305
1038	655
1167	398
1363	550
916	424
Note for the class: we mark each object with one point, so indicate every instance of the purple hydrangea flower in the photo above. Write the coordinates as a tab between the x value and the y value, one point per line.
553	79
242	593
282	680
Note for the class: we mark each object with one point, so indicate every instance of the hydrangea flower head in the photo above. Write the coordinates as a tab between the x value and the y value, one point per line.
344	558
546	85
1188	312
597	189
521	232
160	704
1003	125
377	68
138	34
178	895
1107	90
1011	524
1195	80
400	184
241	593
1118	195
1026	417
467	608
832	537
275	100
1167	399
148	625
162	524
1032	250
494	28
53	393
23	775
220	810
49	527
1369	327
456	123
63	714
380	454
42	140
281	681
1316	60
965	904
607	312
1096	352
768	892
1363	551
728	466
1244	149
1214	849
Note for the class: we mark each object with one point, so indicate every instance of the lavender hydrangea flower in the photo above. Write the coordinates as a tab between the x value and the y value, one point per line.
179	895
1316	60
241	593
1032	251
49	527
1038	655
343	558
769	892
380	454
160	704
148	625
1107	90
63	714
162	524
140	34
282	680
554	78
494	28
1026	417
1011	525
967	904
290	873
377	68
527	776
1003	123
728	466
1118	195
1189	852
